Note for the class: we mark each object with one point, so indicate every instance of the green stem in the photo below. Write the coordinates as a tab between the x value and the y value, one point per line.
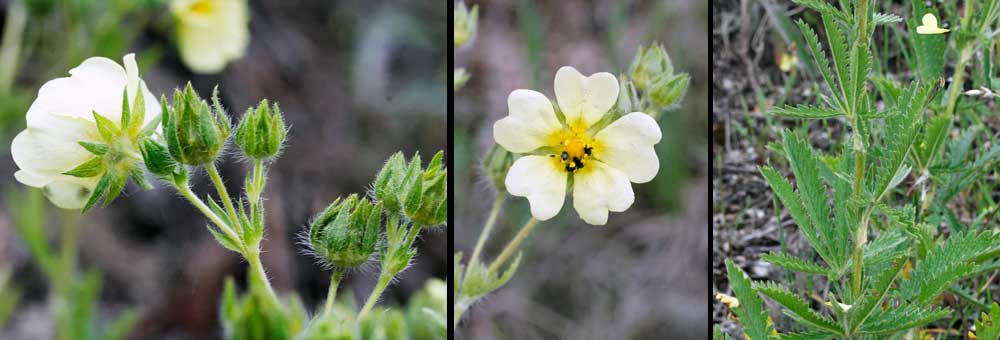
412	235
10	47
257	181
958	81
490	221
65	274
185	191
512	246
213	172
331	294
258	277
383	281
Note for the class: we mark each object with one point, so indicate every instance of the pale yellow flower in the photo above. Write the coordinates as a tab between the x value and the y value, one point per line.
62	116
600	160
211	33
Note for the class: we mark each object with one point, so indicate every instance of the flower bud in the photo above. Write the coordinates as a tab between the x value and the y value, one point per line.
157	158
389	183
496	164
426	196
465	23
345	234
648	64
668	90
195	132
261	131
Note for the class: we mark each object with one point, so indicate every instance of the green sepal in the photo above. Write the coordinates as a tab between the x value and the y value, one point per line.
105	126
223	239
139	178
126	110
134	126
92	167
115	187
99	149
102	186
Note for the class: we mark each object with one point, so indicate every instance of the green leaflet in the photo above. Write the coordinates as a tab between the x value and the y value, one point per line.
751	312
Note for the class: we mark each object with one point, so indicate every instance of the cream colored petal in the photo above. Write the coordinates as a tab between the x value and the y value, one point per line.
131	76
598	189
68	194
32	179
628	146
48	152
541	181
95	85
584	100
208	41
530	122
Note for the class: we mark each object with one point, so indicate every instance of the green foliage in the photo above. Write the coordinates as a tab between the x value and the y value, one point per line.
988	326
870	204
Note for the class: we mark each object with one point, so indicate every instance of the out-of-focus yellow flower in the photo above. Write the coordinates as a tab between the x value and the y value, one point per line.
729	301
787	61
211	33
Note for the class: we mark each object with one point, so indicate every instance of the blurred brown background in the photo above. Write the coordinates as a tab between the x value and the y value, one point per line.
643	275
357	81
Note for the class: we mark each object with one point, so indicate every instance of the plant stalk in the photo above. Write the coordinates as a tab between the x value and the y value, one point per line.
331	294
258	277
383	281
513	245
490	221
213	172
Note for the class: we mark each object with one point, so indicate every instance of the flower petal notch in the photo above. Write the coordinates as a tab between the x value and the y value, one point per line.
600	159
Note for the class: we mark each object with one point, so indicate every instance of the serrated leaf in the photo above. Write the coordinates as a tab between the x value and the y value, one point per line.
819	57
783	189
798	308
988	326
875	294
751	313
929	49
806	112
902	318
794	264
90	168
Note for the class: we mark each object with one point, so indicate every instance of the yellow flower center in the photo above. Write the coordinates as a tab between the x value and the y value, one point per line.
202	7
576	152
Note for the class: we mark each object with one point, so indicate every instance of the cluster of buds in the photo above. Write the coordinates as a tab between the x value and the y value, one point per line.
653	74
418	194
344	235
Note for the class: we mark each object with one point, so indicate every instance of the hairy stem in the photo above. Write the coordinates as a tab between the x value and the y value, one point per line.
185	191
258	277
383	281
490	221
213	172
331	294
512	246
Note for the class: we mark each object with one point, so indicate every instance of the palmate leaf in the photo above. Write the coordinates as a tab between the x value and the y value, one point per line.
901	132
806	167
750	312
795	264
935	132
859	67
806	112
798	308
988	327
837	39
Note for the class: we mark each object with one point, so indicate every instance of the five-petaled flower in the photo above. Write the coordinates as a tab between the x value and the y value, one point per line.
211	33
580	147
63	116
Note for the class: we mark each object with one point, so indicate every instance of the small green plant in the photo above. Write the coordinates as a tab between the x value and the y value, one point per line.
871	206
